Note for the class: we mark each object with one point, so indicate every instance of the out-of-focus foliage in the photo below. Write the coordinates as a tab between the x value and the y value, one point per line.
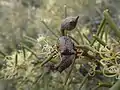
18	20
29	31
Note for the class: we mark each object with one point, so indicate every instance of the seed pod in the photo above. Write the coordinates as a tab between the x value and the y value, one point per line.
65	63
66	46
69	24
68	53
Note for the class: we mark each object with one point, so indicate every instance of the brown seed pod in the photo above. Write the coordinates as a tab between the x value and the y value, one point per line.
69	24
66	46
68	53
65	63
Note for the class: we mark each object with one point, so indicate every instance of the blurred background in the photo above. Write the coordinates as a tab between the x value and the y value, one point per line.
23	17
36	24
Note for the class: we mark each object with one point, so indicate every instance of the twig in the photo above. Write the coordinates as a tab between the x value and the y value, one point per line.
39	77
81	37
68	75
83	81
107	29
24	54
74	40
99	30
101	35
102	85
116	86
49	29
16	59
2	53
111	23
30	39
26	47
100	72
86	38
88	48
48	59
99	40
65	8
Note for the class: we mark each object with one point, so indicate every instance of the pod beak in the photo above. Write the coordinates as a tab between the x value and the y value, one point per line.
77	18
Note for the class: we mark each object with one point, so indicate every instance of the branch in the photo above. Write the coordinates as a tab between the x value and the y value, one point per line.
99	40
99	30
111	23
83	81
68	75
48	59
